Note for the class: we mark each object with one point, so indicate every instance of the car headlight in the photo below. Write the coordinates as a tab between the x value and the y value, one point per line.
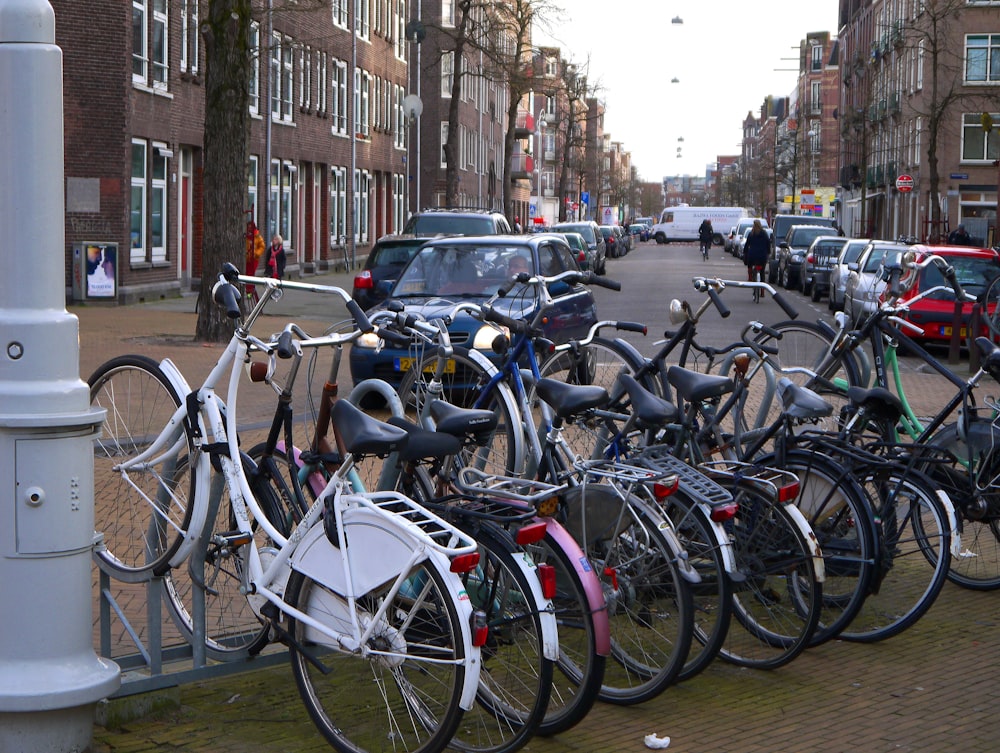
485	336
367	340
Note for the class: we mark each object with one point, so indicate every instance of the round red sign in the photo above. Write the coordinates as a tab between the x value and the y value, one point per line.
904	183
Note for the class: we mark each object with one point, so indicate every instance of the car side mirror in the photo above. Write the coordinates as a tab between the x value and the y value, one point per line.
853	267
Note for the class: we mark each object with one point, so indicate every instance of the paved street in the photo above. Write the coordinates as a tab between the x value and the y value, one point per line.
932	688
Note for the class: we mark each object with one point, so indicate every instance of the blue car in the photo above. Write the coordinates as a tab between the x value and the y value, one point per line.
450	270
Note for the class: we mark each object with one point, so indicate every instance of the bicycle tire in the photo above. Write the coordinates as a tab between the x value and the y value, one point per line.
992	318
841	515
356	701
778	598
712	596
233	630
916	540
140	401
805	345
498	453
600	363
650	605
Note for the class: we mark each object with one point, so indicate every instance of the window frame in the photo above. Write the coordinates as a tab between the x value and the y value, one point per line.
137	245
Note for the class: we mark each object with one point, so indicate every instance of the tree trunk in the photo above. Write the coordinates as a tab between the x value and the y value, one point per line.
227	71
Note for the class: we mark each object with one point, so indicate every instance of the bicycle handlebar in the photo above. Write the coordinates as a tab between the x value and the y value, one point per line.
570	276
595	328
712	286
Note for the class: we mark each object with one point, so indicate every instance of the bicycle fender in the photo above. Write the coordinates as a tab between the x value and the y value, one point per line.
505	394
591	584
320	560
546	614
800	520
956	532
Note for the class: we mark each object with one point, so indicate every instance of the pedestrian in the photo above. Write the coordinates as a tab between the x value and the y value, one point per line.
960	237
756	251
275	260
517	225
255	250
705	236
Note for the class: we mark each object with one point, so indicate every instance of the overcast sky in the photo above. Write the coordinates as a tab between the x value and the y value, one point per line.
727	57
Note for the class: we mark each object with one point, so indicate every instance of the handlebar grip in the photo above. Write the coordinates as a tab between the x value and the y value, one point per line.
603	282
284	347
952	278
228	297
631	327
515	325
895	274
786	306
230	272
771	332
520	278
394	337
359	316
771	350
723	309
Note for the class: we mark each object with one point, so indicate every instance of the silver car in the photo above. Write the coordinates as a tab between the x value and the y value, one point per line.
864	281
838	275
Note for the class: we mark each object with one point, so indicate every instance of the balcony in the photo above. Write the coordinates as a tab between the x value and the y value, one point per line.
895	104
521	167
525	125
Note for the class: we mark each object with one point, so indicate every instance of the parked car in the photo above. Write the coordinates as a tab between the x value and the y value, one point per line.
584	256
385	261
638	230
742	240
453	269
729	240
820	258
611	241
624	237
592	234
430	222
780	224
864	281
838	274
792	252
976	268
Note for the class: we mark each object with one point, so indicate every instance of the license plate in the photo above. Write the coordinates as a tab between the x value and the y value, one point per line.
405	364
945	331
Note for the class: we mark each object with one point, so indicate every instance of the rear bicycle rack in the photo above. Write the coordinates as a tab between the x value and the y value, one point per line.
693	481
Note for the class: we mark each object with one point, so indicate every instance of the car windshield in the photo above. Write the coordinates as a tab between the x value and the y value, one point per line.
852	251
434	223
974	274
459	271
585	230
394	256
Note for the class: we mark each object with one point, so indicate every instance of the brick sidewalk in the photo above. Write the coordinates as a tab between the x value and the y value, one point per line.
932	688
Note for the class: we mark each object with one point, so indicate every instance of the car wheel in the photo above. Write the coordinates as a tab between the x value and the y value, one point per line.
783	274
804	286
815	295
602	268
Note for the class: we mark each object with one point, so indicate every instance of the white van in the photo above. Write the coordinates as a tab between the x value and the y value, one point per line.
682	223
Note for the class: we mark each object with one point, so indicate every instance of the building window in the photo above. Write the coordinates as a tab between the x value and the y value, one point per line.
252	168
281	202
139	42
362	184
444	143
339	11
158	205
321	79
189	36
362	19
339	104
254	45
338	206
447	73
401	29
281	78
159	44
977	145
305	77
817	57
137	210
920	65
982	58
447	12
362	83
398	202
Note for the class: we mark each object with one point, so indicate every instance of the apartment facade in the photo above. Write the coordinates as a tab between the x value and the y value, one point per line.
327	150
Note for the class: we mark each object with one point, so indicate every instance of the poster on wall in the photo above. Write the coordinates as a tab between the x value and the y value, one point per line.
102	271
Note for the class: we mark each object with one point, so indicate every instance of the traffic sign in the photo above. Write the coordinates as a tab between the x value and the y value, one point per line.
904	183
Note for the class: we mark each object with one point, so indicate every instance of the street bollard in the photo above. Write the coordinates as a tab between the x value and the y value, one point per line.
50	676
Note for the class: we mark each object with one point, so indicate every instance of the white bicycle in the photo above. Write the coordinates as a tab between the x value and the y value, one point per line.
364	589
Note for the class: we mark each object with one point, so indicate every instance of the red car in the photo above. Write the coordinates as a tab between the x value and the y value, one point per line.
976	269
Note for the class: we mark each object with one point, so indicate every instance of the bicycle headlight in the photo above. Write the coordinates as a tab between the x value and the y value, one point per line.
485	336
678	311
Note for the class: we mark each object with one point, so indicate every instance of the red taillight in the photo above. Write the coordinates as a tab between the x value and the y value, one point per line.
811	259
547	578
788	492
464	563
722	513
666	487
581	256
610	572
480	628
530	533
363	281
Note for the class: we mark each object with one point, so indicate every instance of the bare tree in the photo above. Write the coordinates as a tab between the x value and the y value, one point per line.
226	31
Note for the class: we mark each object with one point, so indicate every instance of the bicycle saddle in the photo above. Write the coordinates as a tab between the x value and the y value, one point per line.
421	443
570	399
650	410
694	387
462	422
877	400
364	435
801	402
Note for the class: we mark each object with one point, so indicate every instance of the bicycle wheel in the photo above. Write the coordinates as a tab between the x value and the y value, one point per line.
976	495
778	596
402	696
915	553
650	606
712	596
805	345
143	518
579	671
233	629
496	452
515	678
600	363
840	514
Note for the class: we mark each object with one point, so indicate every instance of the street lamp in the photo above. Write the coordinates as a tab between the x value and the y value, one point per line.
812	158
